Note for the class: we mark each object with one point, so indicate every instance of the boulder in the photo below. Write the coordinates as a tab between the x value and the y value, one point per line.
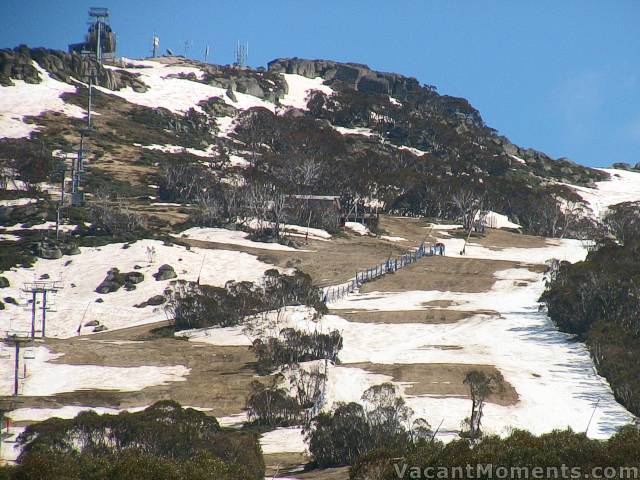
107	287
100	328
49	251
72	250
156	300
92	323
231	95
165	272
133	277
4	282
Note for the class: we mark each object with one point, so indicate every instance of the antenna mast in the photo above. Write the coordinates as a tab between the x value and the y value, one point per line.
241	53
156	44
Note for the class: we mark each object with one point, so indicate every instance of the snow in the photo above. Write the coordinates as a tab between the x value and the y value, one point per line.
77	304
290	439
178	94
238	161
67	411
498	220
552	374
567	249
8	446
393	239
17	202
358	228
518	159
622	186
233	420
442	226
299	88
24	99
7	237
294	230
225	337
415	151
354	131
63	227
230	237
45	378
178	149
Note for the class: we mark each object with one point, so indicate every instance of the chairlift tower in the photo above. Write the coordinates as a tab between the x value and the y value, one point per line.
46	289
100	40
18	341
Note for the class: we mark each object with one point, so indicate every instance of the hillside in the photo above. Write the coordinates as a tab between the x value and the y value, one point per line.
386	139
208	266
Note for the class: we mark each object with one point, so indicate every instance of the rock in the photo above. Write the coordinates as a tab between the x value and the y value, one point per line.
99	300
73	250
44	276
165	272
49	252
156	300
1	306
92	323
231	95
100	328
133	277
357	76
4	282
108	287
10	300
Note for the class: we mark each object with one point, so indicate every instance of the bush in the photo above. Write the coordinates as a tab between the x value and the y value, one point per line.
162	441
293	347
339	438
190	305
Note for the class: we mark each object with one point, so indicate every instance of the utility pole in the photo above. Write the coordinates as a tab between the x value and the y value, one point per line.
206	53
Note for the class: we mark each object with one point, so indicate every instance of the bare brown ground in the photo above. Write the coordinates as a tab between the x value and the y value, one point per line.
287	464
219	378
431	316
444	379
444	274
328	263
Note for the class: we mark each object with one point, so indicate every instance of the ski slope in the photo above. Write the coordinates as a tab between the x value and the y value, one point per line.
76	304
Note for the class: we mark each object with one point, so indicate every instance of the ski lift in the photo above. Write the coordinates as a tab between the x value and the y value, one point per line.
29	353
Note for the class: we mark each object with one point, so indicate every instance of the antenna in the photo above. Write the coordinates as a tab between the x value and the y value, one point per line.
156	44
206	53
187	45
241	53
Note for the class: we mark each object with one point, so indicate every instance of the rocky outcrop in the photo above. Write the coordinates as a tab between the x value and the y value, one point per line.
114	280
17	64
4	282
165	272
354	75
49	251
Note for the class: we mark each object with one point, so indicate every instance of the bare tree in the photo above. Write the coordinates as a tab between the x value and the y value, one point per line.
468	203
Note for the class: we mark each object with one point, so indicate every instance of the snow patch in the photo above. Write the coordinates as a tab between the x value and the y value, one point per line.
25	100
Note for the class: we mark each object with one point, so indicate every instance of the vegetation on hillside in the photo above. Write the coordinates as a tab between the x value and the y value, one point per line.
599	301
164	441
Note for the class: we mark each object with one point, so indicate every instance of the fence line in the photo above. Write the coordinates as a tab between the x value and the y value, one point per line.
336	292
